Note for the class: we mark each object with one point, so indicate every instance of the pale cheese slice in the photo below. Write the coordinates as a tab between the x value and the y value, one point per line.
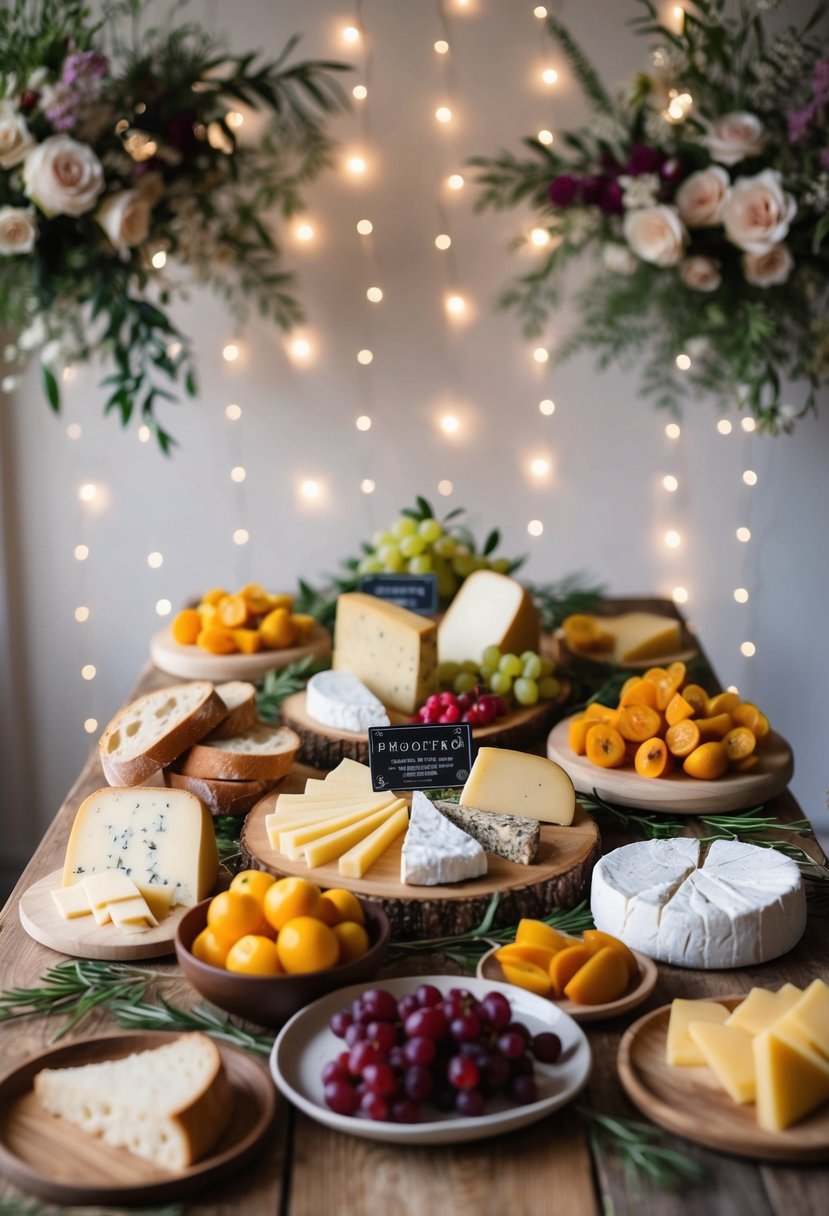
304	802
508	781
71	902
161	898
792	1081
642	635
727	1051
293	842
319	787
808	1018
328	848
105	889
362	856
132	915
350	770
490	609
680	1048
761	1008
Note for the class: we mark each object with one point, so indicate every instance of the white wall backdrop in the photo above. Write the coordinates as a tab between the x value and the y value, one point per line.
602	506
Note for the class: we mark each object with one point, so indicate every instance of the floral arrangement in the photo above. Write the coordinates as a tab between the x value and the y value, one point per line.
702	187
117	157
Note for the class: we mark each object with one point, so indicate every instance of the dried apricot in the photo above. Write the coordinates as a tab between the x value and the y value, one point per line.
526	975
577	734
523	952
638	692
678	709
677	671
595	940
716	727
696	695
597	712
604	977
652	758
537	933
216	640
638	723
682	737
232	611
739	743
707	762
248	641
277	629
605	746
564	966
186	626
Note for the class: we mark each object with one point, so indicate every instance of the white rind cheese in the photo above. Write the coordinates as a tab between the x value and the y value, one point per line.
435	851
738	905
340	700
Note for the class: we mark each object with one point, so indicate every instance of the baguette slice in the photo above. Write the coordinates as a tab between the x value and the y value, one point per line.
263	753
220	797
154	729
169	1104
240	698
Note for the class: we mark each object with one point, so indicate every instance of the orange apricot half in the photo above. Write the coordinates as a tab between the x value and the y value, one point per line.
604	977
526	975
596	940
707	762
638	723
536	933
682	737
652	758
605	746
565	965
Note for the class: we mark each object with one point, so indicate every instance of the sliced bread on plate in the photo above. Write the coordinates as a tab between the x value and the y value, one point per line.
263	753
155	728
240	698
220	797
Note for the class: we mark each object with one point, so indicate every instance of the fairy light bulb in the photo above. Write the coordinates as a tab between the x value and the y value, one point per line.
81	553
679	595
363	423
750	477
535	527
673	539
455	181
724	426
90	725
163	607
365	357
683	362
672	430
374	294
359	92
74	430
541	355
351	34
155	560
547	406
441	46
300	349
365	227
549	76
367	486
741	595
238	474
233	412
443	241
241	536
356	165
143	434
449	424
456	305
445	488
670	483
88	671
743	535
159	259
230	352
540	466
540	237
234	119
310	489
443	114
81	614
87	492
748	649
68	374
545	137
748	425
540	12
304	232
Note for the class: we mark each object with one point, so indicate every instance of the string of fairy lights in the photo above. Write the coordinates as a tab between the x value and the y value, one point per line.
360	166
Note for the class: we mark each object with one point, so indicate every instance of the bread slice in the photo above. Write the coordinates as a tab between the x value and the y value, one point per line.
240	698
220	797
154	729
169	1104
263	753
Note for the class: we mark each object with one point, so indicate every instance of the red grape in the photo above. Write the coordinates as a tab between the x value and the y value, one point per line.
470	1102
334	1071
430	1023
341	1097
420	1050
466	1028
463	1073
417	1083
380	1005
497	1010
428	994
361	1054
404	1110
375	1106
511	1045
523	1090
382	1034
546	1047
380	1079
340	1023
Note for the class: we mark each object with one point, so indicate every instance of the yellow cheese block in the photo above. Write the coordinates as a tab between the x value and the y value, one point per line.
71	902
727	1051
347	771
286	822
490	609
808	1019
680	1049
323	788
329	847
761	1008
642	635
292	843
792	1081
105	889
363	855
516	783
311	802
393	651
132	915
160	899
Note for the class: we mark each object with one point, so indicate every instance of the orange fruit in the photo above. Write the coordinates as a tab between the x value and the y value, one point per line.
232	914
638	692
352	939
739	743
526	975
604	977
716	727
577	734
696	696
597	712
523	952
253	955
605	746
652	759
595	940
288	898
337	905
638	723
682	737
232	611
722	703
306	944
677	672
565	965
252	882
186	627
707	762
213	596
209	948
677	709
535	933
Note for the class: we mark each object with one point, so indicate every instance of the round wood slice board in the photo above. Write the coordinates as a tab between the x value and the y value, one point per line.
690	1102
63	1164
193	663
677	794
82	937
324	746
638	989
562	652
559	879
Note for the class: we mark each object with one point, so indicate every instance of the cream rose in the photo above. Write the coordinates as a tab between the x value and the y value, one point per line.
18	230
618	259
125	218
700	197
735	137
757	212
15	137
656	234
62	176
768	269
700	273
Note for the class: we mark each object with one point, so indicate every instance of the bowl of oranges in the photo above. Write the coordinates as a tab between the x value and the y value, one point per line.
266	947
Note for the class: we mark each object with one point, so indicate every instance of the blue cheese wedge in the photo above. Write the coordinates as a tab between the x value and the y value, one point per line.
338	699
435	851
514	837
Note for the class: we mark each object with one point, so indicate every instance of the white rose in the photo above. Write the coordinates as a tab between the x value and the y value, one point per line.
62	176
619	259
700	197
125	218
768	269
700	273
656	234
18	230
735	137
15	137
757	212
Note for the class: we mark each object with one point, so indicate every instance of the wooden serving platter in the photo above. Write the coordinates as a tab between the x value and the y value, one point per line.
562	653
689	1102
59	1162
560	878
677	794
324	747
193	663
82	937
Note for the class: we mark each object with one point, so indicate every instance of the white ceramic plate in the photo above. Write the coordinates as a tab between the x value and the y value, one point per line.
306	1044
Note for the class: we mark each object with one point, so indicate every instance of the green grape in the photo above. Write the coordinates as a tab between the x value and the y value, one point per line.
500	683
500	565
389	555
549	688
403	527
445	546
486	672
525	691
464	681
547	667
370	565
430	530
470	665
412	546
491	656
511	665
447	670
422	564
464	564
381	538
447	579
532	667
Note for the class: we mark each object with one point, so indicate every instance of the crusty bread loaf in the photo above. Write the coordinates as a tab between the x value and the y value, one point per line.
263	753
154	729
240	698
169	1104
220	797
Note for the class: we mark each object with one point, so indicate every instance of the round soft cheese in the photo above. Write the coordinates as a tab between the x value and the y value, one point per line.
731	906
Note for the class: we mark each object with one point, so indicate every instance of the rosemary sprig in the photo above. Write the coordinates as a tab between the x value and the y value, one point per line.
571	594
654	827
636	1145
75	988
278	685
142	1015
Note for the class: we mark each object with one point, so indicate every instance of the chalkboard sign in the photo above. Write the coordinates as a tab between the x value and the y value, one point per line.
417	592
419	757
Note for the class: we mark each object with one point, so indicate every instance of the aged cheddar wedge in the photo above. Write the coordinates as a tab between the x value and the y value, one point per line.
728	1052
792	1081
292	843
680	1048
332	846
808	1018
515	837
349	771
489	610
643	635
393	651
359	858
761	1008
508	781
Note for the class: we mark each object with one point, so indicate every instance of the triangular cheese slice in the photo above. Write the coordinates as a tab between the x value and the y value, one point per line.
435	851
792	1081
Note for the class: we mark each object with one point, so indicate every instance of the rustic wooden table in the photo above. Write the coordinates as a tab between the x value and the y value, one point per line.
552	1167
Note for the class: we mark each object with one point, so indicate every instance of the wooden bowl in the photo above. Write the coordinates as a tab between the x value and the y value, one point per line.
271	1000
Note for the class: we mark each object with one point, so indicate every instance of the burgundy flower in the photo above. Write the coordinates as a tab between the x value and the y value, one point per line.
672	171
610	167
611	203
29	100
564	190
592	189
179	132
643	159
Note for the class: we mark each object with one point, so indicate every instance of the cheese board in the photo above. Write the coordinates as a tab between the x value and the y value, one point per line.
638	991
689	1102
82	937
559	878
677	794
193	663
563	654
324	746
63	1164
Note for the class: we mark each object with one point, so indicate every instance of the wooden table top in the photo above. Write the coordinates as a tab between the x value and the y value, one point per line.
553	1166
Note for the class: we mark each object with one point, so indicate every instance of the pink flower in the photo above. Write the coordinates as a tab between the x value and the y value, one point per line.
757	212
768	269
700	197
62	176
700	273
656	234
735	137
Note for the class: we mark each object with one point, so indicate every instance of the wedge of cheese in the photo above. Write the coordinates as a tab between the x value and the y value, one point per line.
393	651
71	902
292	842
132	915
362	856
808	1018
680	1048
105	889
761	1008
340	840
435	851
350	772
517	782
490	609
642	635
728	1052
792	1080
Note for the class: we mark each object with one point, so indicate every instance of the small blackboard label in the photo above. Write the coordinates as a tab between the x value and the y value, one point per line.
417	592
419	757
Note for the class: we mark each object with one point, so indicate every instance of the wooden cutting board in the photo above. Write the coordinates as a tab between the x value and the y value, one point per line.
559	879
677	794
193	663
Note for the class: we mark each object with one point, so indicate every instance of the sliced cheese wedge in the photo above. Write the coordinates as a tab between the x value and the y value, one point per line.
132	915
680	1048
293	842
519	783
302	802
161	898
328	848
71	902
792	1081
105	889
296	818
761	1008
350	770
727	1051
362	856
